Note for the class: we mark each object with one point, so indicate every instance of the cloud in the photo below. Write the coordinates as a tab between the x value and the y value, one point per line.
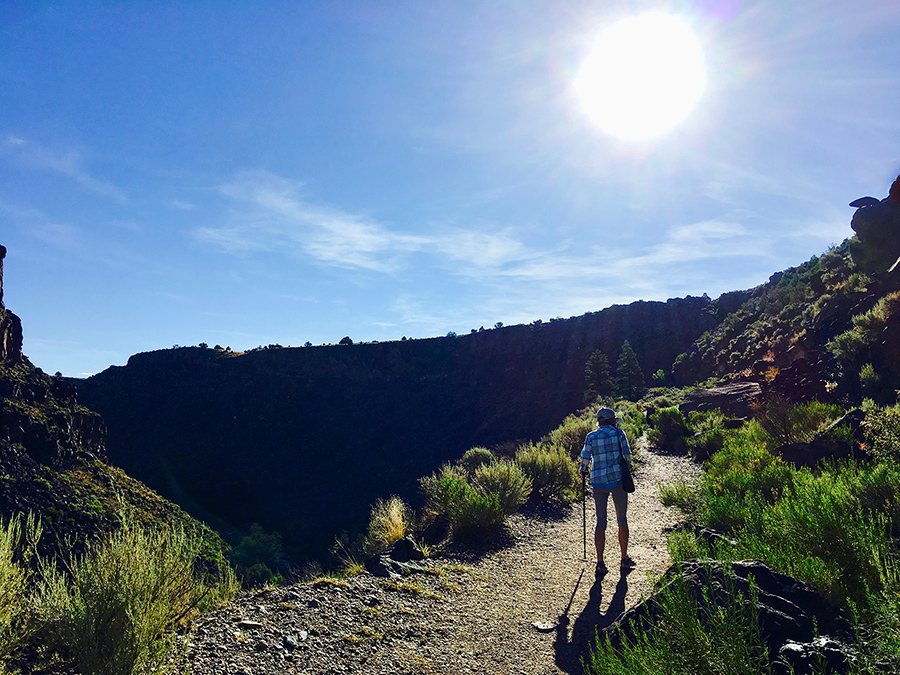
271	214
68	164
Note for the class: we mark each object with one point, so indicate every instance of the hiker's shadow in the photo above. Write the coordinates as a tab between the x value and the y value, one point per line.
569	652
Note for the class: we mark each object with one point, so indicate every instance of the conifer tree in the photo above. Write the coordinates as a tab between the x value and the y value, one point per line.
596	376
629	376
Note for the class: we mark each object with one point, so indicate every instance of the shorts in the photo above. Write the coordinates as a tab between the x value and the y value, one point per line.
620	502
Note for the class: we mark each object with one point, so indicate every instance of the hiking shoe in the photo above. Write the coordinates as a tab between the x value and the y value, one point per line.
628	563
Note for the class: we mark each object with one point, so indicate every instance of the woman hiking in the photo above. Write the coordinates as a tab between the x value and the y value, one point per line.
601	458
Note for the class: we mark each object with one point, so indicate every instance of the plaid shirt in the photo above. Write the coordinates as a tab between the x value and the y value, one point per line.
601	454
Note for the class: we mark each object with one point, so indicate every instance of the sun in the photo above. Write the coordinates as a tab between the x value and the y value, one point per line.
643	76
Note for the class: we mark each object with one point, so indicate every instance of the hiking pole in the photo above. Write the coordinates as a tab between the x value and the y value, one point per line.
583	518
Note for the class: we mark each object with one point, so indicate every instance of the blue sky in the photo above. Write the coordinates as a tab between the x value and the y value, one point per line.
282	172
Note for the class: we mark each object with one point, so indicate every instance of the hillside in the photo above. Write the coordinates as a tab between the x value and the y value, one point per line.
278	436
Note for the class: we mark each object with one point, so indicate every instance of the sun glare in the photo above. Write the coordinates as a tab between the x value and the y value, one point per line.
643	76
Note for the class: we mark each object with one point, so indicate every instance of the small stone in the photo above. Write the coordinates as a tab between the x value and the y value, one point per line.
249	625
545	626
312	604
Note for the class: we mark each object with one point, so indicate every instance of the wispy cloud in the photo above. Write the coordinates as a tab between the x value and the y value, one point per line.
270	213
69	164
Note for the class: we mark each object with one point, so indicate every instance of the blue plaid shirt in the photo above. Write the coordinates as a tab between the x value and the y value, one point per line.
601	454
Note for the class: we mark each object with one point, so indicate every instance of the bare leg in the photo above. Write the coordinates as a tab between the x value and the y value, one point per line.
600	542
623	540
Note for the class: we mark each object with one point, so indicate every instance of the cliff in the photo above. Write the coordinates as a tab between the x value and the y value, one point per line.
303	440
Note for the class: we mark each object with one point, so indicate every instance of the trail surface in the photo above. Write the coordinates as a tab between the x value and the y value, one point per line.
474	614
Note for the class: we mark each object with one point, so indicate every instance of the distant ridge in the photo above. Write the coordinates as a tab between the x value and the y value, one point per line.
302	440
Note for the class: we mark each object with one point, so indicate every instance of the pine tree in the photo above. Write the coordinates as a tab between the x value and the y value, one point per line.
596	376
629	376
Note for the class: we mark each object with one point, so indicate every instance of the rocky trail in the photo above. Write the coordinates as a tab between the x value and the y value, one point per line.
530	606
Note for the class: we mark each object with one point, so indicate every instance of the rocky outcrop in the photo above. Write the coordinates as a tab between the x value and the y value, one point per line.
798	625
733	399
877	225
10	326
829	444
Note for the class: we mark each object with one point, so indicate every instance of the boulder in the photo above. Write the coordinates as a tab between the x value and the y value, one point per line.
797	624
877	225
396	560
827	445
733	399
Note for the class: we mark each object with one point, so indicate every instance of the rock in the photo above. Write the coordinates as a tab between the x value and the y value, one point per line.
790	612
809	657
396	560
877	225
249	625
733	399
545	626
827	445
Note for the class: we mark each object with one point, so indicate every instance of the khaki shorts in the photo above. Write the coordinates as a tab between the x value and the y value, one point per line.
620	501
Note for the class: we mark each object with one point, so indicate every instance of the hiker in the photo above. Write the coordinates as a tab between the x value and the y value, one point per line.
601	457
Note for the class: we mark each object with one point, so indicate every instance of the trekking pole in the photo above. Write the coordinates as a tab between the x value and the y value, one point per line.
583	517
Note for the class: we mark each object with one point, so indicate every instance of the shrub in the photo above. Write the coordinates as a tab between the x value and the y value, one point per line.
16	552
389	520
569	436
789	423
113	610
553	474
430	485
632	419
474	458
883	431
505	479
694	637
473	516
669	430
703	446
687	497
257	557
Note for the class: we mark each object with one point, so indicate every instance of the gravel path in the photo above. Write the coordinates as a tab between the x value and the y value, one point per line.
471	614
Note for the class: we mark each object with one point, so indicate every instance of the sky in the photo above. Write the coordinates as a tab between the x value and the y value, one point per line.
244	174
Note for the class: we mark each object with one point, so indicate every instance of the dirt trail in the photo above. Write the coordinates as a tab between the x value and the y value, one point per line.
543	578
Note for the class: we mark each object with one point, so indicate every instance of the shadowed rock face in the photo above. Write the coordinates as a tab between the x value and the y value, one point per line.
303	440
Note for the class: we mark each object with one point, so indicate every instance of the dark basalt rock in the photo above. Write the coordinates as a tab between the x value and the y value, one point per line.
796	623
733	399
827	445
396	560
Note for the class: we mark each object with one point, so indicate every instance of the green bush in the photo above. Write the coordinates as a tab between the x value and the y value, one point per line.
389	520
505	479
693	637
554	475
883	432
16	608
430	485
632	419
474	458
867	328
687	497
473	516
786	422
112	612
669	430
570	435
703	446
